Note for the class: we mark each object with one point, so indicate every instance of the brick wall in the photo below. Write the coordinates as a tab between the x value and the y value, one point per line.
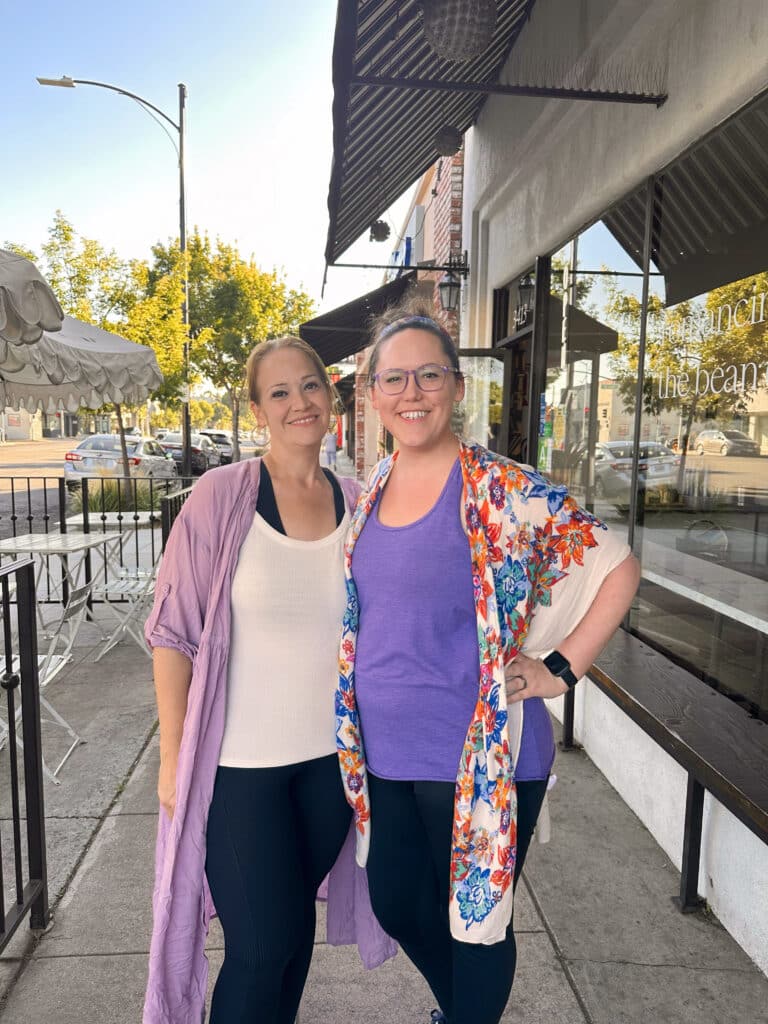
447	239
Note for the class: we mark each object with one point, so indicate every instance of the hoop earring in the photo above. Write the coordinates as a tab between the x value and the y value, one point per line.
260	436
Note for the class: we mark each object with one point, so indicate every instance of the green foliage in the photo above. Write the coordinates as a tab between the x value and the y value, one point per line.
120	496
233	305
584	282
91	282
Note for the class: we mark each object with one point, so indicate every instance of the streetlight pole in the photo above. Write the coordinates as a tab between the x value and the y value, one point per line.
70	83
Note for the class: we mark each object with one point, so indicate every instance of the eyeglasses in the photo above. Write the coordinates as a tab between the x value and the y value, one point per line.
429	377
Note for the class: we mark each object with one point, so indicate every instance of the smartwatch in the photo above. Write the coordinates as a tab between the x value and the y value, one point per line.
559	665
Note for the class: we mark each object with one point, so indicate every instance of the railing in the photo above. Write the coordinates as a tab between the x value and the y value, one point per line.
170	506
18	678
126	506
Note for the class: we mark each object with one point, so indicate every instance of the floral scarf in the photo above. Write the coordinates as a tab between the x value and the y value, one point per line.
526	538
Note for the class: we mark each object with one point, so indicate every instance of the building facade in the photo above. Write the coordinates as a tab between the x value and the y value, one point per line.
638	374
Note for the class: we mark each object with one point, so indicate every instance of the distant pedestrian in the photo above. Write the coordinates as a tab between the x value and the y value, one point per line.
244	633
475	589
330	446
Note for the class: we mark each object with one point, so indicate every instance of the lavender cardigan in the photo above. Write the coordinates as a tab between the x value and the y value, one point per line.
191	614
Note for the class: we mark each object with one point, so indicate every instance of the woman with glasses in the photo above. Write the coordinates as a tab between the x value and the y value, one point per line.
476	589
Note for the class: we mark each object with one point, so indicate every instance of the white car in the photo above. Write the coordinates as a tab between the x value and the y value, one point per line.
100	456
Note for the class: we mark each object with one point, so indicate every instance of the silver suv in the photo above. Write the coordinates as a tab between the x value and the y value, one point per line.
726	442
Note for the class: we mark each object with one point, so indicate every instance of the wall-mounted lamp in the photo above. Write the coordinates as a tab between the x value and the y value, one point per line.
449	288
525	290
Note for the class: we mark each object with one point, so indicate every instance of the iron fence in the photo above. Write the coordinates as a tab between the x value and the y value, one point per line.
170	506
28	889
128	507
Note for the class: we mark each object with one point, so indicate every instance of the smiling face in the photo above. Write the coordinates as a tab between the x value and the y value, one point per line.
417	419
293	400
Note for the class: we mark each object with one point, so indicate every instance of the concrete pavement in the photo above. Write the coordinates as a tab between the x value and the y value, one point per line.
600	941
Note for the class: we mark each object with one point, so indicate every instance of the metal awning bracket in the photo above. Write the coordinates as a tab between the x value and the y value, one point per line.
496	89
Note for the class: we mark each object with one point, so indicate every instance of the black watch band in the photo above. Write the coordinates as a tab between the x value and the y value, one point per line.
559	665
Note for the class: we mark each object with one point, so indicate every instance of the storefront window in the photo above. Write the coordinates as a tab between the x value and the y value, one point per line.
685	474
703	536
588	408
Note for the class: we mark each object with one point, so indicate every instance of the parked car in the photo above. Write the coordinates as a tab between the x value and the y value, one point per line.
657	465
726	442
223	441
205	455
100	456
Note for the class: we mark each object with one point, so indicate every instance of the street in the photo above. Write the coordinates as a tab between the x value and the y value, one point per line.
29	475
29	482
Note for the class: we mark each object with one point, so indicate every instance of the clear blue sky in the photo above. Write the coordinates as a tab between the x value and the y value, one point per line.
259	139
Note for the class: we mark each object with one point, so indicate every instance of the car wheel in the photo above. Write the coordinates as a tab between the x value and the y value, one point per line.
700	449
723	449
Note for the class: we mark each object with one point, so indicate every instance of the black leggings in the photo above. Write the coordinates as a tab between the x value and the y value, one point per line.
273	835
408	878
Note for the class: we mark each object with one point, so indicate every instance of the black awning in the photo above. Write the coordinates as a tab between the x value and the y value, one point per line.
710	223
587	337
345	330
383	140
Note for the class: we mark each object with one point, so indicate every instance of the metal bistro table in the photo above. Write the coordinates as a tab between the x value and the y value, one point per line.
70	548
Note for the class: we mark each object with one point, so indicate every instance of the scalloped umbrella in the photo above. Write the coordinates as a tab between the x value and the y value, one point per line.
27	303
82	365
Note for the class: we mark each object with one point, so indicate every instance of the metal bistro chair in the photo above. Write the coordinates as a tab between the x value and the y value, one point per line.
50	664
128	597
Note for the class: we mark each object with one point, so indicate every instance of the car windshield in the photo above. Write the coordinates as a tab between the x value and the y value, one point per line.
736	435
218	438
172	439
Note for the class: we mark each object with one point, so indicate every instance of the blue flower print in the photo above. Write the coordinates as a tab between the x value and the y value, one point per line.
511	585
474	897
495	719
482	789
352	612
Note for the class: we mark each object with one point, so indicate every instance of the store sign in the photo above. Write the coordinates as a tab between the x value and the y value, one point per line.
737	378
704	323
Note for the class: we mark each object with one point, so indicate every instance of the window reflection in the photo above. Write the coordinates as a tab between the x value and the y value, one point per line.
705	548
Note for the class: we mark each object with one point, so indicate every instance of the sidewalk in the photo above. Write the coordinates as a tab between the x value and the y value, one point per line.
599	939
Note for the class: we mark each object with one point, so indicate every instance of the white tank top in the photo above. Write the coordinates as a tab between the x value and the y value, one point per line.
288	601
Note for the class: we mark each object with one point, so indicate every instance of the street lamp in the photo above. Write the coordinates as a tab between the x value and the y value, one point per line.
69	83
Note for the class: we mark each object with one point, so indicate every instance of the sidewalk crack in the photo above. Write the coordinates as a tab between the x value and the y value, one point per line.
661	964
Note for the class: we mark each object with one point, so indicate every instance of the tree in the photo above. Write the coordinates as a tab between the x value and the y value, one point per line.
233	306
94	285
200	413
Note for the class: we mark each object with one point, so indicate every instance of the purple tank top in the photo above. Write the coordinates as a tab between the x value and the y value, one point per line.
417	664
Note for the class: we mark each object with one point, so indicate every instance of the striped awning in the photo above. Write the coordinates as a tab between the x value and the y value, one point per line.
383	140
710	218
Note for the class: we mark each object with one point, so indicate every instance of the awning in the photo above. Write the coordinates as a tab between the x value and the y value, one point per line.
710	223
587	337
345	330
383	140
